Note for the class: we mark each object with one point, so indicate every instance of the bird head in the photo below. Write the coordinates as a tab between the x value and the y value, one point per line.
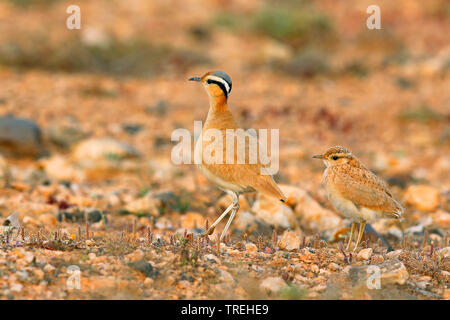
217	83
336	156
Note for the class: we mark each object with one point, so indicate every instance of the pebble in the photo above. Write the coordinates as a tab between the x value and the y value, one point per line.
272	284
290	240
48	268
251	247
364	254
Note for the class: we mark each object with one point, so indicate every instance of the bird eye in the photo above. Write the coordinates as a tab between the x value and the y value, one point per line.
335	158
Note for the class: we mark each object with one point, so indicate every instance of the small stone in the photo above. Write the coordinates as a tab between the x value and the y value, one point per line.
38	274
145	267
310	213
48	268
377	259
226	277
92	256
251	247
334	266
89	243
212	258
290	240
272	284
148	282
446	294
17	287
364	254
22	275
135	256
274	212
394	254
422	197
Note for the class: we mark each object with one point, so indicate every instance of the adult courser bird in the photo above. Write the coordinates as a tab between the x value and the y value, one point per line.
231	176
355	191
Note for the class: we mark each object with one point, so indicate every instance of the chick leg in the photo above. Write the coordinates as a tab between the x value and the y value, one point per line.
352	232
362	226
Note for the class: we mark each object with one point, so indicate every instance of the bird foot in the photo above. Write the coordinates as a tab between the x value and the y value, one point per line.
208	232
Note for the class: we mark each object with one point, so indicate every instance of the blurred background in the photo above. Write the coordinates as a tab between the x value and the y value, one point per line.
86	115
310	68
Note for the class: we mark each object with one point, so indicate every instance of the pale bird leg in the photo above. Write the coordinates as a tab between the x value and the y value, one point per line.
213	226
362	226
352	232
233	213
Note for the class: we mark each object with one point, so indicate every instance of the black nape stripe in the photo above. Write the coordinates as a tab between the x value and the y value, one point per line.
220	84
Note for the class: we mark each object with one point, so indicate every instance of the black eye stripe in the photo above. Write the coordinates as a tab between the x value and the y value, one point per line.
220	84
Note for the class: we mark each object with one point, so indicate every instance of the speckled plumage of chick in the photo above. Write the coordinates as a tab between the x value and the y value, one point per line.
355	191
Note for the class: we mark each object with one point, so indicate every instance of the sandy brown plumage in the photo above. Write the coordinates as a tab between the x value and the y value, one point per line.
355	191
230	176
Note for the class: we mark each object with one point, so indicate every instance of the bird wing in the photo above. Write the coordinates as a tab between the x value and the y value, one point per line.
365	189
247	175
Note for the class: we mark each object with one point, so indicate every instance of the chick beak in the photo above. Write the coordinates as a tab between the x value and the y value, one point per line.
197	79
318	156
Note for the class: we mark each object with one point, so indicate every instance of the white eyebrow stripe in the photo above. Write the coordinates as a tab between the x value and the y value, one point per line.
227	86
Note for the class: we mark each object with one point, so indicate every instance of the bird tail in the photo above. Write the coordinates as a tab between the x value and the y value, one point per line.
397	210
269	187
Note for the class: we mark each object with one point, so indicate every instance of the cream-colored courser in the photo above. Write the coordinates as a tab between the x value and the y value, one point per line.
355	191
234	178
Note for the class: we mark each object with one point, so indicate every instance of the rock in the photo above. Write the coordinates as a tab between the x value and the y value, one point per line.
377	259
20	137
446	294
102	153
310	213
422	197
145	267
145	205
192	220
394	254
251	247
364	254
136	255
441	219
60	169
148	282
391	272
22	275
48	268
65	132
272	284
226	277
17	287
334	266
211	258
76	215
290	240
48	219
274	212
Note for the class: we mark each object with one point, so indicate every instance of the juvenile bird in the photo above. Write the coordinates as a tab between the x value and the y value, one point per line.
355	191
231	176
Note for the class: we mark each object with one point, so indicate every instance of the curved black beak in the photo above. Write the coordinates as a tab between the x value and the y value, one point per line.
197	79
